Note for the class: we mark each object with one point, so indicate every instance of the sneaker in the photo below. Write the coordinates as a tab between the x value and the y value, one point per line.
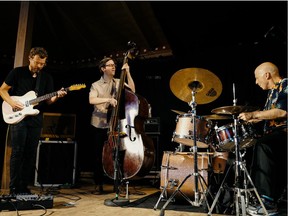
258	210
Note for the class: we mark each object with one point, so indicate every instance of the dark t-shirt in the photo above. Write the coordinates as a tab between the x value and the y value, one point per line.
21	80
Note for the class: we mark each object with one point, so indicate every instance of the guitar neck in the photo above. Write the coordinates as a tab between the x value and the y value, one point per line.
44	97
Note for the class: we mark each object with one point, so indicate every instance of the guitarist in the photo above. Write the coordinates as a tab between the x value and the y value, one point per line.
25	134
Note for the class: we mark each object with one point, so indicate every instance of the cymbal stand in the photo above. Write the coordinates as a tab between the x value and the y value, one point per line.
198	201
241	186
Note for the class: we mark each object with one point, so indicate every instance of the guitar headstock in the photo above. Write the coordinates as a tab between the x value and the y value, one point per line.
76	87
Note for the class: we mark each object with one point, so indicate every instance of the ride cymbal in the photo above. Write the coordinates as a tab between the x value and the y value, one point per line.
217	117
232	110
207	85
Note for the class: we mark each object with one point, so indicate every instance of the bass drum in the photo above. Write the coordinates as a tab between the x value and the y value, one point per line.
176	167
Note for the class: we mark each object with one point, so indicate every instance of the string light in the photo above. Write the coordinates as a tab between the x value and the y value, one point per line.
146	53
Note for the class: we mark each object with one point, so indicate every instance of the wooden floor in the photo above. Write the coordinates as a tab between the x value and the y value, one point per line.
82	201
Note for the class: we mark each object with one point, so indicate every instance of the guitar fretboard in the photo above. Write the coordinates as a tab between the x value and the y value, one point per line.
45	97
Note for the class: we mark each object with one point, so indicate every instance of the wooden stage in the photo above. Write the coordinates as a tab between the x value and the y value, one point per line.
82	201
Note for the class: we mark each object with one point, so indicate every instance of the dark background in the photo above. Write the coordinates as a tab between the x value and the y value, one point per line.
230	39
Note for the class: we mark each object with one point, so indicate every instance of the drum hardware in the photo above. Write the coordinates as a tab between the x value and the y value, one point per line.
180	148
241	174
198	200
173	182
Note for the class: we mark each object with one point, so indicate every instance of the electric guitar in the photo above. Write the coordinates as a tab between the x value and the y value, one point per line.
29	100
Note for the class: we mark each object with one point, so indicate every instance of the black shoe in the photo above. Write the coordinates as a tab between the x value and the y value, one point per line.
13	191
98	190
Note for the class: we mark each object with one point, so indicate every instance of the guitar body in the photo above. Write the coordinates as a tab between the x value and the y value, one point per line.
29	100
12	117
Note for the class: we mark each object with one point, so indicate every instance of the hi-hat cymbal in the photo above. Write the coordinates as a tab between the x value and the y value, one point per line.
206	84
232	110
217	117
178	112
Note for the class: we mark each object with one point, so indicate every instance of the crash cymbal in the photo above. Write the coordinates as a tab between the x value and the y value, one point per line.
207	85
178	112
217	117
232	110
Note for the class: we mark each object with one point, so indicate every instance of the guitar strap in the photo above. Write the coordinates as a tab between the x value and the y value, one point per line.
38	83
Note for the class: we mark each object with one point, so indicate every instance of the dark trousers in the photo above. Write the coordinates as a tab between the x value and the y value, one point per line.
24	142
269	164
99	137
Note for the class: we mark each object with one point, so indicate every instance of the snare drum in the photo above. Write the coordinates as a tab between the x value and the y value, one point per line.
225	136
184	132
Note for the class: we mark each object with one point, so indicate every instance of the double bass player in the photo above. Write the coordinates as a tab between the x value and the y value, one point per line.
102	96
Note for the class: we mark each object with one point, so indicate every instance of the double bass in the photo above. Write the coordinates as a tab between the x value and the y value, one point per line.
128	153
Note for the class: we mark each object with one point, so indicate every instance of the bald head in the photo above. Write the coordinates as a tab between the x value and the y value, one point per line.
267	67
267	75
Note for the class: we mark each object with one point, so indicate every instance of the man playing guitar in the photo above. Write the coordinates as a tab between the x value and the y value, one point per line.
25	134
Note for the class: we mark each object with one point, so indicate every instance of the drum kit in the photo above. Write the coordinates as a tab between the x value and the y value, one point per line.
200	86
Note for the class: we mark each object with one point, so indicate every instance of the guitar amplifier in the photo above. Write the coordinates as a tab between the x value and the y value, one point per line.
58	125
55	163
152	129
152	126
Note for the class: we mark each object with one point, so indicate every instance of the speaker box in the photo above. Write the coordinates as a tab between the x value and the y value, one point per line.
58	125
152	129
152	126
158	152
55	163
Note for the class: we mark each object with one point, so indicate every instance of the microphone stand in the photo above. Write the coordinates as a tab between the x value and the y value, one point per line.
117	201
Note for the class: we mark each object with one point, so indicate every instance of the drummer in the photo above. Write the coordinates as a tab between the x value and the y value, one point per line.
269	165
